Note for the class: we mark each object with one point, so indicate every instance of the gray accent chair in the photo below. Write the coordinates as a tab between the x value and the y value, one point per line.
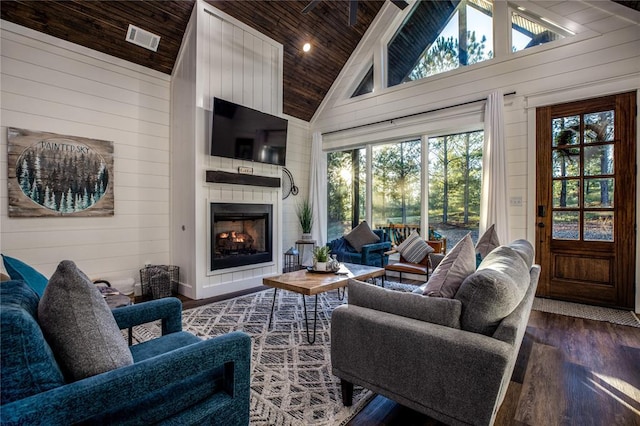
451	359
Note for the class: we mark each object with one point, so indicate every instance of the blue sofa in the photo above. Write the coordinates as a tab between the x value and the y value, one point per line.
175	379
371	254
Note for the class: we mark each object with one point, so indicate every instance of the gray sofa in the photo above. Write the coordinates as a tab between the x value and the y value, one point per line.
451	359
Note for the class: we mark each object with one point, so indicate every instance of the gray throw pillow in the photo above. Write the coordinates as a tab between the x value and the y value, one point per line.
360	236
457	265
79	325
493	291
413	249
487	242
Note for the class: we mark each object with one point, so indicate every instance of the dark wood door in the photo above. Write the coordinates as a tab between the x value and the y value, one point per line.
586	200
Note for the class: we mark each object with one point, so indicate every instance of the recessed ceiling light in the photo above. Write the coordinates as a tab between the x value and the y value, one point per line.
306	47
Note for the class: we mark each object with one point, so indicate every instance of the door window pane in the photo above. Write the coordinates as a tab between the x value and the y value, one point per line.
598	160
566	193
598	226
566	162
396	184
598	192
566	225
598	127
566	130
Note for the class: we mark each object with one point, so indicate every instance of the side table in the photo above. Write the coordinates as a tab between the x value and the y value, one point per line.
305	256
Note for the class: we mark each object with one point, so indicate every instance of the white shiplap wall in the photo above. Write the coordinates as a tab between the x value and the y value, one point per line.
55	86
603	58
224	58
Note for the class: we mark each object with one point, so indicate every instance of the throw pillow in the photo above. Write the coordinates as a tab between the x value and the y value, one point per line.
487	242
19	270
79	325
360	236
457	265
493	291
413	249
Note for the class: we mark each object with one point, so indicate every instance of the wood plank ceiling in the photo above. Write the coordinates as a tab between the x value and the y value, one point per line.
102	26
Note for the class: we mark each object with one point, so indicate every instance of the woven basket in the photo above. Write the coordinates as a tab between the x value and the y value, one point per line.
159	281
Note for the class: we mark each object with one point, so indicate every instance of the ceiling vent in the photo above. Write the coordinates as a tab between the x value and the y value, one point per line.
143	38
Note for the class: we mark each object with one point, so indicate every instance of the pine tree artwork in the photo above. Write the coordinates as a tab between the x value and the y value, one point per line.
57	175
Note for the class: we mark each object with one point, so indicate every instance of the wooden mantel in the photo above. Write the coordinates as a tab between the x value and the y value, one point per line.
219	176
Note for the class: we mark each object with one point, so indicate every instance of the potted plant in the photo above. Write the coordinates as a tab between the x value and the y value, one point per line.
305	216
320	258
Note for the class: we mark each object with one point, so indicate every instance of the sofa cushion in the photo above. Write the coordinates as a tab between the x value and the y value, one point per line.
526	251
487	242
493	291
27	363
413	249
360	236
456	265
429	309
19	270
80	326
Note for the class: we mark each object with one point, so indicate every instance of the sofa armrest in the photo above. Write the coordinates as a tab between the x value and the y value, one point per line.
149	391
168	309
418	364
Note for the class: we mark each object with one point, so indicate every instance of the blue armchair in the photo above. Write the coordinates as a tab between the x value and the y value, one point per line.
175	379
371	254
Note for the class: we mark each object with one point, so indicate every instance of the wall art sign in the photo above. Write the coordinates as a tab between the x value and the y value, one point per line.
58	175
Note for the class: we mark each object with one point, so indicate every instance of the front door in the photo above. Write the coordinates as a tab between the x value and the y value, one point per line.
585	238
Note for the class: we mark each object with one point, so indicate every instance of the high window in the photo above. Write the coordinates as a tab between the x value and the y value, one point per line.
529	30
440	36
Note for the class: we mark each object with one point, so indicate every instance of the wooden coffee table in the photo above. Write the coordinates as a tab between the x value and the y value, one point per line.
308	283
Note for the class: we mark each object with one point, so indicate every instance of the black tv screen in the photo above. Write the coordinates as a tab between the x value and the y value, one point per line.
247	134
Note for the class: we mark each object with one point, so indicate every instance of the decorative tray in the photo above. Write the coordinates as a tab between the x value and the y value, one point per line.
316	271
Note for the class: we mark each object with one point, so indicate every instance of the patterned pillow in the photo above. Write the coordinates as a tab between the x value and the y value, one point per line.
360	236
413	249
79	325
457	265
19	270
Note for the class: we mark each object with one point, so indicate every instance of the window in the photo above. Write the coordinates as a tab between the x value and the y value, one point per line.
366	85
396	181
528	30
455	180
346	180
454	175
440	36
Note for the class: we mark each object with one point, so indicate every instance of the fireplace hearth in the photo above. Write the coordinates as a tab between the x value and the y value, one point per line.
241	234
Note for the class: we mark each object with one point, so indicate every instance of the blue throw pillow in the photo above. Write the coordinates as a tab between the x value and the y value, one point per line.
19	270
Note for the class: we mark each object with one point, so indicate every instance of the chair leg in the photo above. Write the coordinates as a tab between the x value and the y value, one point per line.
347	392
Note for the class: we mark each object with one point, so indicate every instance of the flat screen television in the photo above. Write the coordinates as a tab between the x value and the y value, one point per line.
247	134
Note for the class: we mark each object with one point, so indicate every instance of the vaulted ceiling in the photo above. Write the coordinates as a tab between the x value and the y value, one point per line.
102	26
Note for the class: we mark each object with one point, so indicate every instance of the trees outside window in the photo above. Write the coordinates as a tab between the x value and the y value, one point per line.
454	176
455	180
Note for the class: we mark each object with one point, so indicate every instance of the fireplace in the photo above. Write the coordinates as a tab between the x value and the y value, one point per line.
241	234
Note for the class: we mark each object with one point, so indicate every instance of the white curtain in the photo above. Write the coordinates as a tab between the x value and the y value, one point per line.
318	190
493	204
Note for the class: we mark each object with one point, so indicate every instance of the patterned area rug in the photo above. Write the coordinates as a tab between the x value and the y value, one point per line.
291	380
598	313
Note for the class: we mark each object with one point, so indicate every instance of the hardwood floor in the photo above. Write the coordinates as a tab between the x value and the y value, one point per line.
570	371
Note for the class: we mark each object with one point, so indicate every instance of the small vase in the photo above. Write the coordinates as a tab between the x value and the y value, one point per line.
321	266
